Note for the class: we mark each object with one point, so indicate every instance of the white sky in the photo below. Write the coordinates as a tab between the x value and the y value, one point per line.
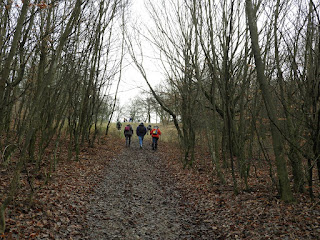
132	83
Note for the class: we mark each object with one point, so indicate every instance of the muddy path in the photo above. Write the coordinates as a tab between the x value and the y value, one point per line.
138	199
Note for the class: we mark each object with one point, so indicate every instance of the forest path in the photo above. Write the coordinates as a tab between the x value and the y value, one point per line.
138	199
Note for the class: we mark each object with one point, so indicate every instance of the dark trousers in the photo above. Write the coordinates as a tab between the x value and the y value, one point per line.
154	143
128	140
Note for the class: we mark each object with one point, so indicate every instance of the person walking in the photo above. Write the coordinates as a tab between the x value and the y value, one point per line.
141	131
155	134
128	132
119	125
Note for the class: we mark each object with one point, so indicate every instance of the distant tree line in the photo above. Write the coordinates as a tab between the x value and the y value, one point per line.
144	108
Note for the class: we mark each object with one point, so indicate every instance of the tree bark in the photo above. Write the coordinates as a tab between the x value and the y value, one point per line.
284	184
14	46
294	157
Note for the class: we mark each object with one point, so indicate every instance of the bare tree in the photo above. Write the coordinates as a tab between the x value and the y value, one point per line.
285	191
51	71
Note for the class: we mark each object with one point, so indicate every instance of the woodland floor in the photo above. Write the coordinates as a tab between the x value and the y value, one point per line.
115	192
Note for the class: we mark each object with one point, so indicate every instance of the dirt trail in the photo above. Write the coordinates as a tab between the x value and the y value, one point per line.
138	199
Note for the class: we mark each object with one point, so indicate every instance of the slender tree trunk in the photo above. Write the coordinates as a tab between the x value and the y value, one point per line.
4	75
293	154
120	74
284	184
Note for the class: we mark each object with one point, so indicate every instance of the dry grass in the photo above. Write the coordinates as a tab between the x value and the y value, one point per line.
169	133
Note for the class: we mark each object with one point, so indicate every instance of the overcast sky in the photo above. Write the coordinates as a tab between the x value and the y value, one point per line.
132	82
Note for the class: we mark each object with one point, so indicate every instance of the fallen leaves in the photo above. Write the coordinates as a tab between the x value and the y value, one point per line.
58	209
256	214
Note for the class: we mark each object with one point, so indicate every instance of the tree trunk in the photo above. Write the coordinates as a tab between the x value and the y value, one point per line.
14	45
284	184
293	154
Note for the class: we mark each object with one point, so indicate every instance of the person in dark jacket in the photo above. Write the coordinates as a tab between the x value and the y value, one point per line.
128	132
119	125
141	131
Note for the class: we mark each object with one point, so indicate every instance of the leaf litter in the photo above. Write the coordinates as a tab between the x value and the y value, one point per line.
127	193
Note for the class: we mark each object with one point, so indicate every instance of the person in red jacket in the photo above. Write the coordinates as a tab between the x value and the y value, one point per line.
155	133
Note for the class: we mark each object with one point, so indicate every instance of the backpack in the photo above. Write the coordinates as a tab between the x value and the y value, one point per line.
155	132
141	129
127	128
